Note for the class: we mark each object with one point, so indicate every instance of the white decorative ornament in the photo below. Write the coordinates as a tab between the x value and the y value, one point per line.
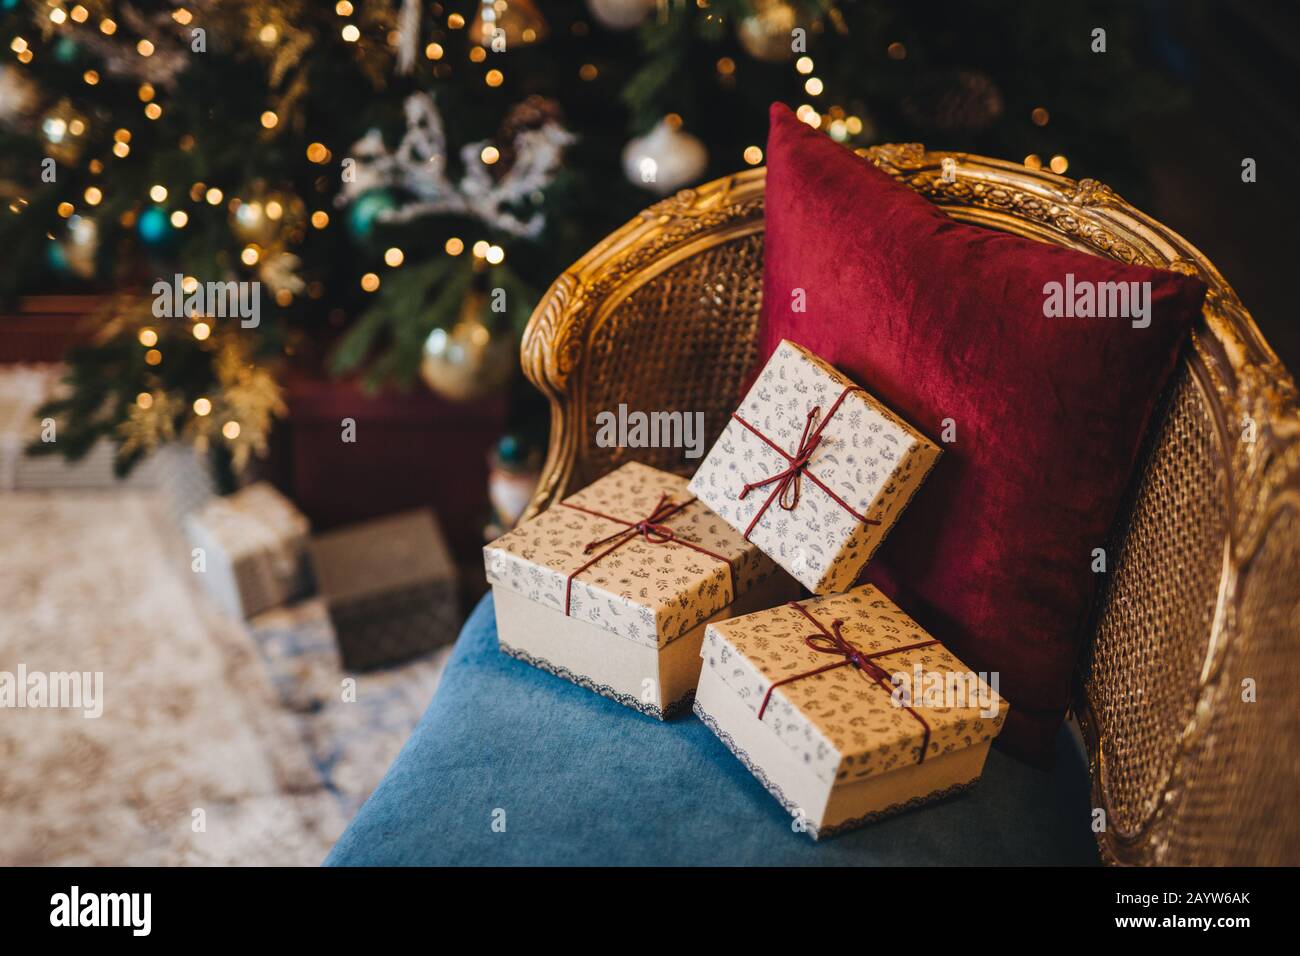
408	36
81	246
664	159
419	165
18	95
279	272
620	14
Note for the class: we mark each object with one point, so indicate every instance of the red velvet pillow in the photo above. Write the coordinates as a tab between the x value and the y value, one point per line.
940	321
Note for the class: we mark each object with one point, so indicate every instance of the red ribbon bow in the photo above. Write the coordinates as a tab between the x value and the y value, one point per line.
834	642
790	479
651	529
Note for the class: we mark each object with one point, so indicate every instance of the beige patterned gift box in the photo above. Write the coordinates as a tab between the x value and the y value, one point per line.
612	587
254	549
813	470
845	709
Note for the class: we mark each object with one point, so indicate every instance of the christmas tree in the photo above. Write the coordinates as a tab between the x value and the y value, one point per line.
402	180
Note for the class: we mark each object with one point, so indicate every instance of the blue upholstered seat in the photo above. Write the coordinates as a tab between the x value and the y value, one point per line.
578	779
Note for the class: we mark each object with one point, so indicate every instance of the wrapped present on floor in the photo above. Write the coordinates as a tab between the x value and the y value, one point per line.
391	587
254	549
612	587
845	709
813	470
183	477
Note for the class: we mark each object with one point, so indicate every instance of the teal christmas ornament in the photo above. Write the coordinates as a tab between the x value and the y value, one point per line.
66	50
368	207
153	226
56	257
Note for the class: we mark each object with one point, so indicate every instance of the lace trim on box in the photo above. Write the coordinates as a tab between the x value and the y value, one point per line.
679	706
792	808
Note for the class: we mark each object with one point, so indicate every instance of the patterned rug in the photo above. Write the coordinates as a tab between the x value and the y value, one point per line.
218	744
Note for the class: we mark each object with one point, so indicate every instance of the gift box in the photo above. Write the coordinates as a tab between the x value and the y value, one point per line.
391	588
612	587
254	549
813	470
183	477
845	709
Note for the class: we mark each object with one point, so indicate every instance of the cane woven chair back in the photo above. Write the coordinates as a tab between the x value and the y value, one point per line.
1189	690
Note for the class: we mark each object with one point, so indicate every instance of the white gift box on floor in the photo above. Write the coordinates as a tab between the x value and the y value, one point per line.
612	588
183	476
845	709
254	549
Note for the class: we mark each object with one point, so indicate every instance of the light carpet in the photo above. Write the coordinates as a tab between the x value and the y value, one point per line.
194	760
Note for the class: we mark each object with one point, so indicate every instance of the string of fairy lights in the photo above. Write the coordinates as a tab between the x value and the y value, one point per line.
166	202
835	121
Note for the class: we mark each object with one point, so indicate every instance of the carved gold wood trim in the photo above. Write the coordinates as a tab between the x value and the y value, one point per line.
1235	370
555	341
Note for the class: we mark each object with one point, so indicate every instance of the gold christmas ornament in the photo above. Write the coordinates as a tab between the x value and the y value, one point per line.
63	131
519	23
766	33
469	360
268	216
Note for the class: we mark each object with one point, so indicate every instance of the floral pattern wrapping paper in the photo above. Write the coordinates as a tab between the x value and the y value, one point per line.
844	725
868	456
645	592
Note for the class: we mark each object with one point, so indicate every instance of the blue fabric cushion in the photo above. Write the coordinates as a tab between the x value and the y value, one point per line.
578	779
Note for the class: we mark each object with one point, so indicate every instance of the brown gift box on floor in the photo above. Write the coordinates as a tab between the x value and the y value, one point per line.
611	588
814	699
391	587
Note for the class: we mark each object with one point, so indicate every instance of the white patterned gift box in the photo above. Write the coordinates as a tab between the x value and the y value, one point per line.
845	709
813	470
254	549
612	587
182	476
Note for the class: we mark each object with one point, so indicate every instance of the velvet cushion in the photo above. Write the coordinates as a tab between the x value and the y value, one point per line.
945	321
577	779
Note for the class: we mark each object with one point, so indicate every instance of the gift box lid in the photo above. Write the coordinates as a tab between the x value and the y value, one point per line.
843	721
253	520
586	557
381	556
863	462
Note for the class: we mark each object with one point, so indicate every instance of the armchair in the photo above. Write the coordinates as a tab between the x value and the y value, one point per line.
1187	692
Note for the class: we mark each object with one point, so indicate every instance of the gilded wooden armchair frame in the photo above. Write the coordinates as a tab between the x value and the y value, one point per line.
1187	696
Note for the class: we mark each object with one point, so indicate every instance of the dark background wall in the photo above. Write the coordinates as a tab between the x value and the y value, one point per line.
1240	61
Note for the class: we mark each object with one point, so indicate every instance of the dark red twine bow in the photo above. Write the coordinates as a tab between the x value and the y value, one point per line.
651	528
833	642
789	480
